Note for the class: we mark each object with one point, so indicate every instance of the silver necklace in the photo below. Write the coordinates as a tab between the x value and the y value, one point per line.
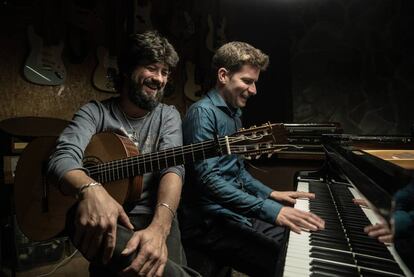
134	136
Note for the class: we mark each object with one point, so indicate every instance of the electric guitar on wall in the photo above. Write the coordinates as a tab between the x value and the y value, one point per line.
142	16
114	161
44	65
192	90
106	71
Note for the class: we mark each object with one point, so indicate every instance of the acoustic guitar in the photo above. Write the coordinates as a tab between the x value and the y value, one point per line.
113	160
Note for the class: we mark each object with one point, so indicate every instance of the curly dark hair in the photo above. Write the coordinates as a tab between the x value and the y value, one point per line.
146	48
233	55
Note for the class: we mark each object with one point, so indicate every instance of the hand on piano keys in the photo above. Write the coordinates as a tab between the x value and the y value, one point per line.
297	220
342	248
381	230
289	197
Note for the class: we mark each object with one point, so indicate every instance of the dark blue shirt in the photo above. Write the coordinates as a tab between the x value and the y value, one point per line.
221	185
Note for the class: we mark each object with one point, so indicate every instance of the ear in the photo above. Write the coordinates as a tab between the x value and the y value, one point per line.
222	75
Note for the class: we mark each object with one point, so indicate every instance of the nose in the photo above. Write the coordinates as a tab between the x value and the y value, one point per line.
158	78
252	89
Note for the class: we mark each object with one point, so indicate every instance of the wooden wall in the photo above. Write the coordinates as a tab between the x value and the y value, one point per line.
20	97
373	95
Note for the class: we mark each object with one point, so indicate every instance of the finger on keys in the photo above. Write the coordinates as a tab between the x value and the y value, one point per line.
316	220
306	225
304	195
386	239
294	227
374	227
360	202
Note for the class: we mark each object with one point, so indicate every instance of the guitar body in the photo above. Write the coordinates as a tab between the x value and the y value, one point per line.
40	207
44	65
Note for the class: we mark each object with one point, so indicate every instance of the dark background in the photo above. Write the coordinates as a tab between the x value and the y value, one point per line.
347	61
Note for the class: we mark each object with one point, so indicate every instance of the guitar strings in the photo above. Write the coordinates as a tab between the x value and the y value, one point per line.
173	151
164	153
110	167
168	153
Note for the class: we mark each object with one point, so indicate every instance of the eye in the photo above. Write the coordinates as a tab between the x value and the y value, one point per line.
151	68
165	72
248	81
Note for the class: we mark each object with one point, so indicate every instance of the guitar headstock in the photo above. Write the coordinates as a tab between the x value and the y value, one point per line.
255	141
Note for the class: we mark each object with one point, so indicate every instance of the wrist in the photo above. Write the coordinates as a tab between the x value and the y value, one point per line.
85	187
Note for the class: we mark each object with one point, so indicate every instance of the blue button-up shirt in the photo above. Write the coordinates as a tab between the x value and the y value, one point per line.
221	185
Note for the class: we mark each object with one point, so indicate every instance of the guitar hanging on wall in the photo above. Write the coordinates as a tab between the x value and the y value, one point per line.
41	208
106	71
44	65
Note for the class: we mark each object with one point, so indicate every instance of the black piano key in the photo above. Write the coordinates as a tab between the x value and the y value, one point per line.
382	254
341	270
330	255
322	274
371	248
328	239
330	245
331	235
325	273
379	264
367	272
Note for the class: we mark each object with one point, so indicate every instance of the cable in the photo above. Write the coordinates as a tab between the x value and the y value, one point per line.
63	262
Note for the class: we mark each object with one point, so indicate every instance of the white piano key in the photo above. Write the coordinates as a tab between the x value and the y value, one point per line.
297	255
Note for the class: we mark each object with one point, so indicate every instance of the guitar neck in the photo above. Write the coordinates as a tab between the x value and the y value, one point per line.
152	162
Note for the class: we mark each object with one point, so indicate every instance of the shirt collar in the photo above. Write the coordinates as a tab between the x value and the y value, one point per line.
219	102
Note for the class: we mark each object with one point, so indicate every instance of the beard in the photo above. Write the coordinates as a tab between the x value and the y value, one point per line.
137	95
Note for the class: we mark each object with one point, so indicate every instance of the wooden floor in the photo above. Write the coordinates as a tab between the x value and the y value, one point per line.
66	267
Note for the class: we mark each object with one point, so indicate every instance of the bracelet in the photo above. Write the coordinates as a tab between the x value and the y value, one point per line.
84	187
168	207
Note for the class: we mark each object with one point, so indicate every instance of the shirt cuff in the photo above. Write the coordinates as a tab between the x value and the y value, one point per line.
270	211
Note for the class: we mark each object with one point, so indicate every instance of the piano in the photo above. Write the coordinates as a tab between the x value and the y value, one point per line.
366	167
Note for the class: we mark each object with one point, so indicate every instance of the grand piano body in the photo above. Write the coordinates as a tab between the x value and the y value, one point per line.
367	167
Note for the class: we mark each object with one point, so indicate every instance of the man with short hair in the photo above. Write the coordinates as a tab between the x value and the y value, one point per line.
226	212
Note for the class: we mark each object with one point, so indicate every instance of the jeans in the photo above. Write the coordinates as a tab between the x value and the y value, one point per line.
253	250
176	264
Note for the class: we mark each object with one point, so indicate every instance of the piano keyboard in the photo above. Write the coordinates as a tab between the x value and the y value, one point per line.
342	248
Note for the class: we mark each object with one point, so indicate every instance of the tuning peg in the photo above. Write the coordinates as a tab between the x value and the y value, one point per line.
269	155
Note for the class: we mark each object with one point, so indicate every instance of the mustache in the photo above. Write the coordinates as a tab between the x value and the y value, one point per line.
152	83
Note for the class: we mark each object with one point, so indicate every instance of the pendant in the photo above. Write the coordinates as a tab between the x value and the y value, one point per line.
135	136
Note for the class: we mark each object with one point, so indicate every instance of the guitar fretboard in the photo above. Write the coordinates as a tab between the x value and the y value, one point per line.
152	162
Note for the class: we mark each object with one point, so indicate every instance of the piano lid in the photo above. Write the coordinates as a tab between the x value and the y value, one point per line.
366	161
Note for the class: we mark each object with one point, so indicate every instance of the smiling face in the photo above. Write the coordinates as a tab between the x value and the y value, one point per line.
237	87
147	83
